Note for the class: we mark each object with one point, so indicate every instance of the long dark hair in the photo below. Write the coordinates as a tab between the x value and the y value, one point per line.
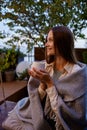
64	43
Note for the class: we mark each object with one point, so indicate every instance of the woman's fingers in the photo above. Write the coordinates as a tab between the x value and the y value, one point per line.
40	70
41	75
34	73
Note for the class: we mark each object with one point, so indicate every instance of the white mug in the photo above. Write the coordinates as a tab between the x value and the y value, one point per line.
38	65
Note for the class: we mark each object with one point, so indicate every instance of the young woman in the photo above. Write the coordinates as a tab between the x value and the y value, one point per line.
57	93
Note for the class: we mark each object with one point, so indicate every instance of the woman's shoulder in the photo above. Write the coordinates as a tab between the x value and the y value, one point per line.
78	66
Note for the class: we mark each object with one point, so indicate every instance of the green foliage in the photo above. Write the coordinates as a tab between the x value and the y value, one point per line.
23	75
34	18
85	57
2	62
9	58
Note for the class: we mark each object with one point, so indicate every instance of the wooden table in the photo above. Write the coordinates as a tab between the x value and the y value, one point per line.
14	90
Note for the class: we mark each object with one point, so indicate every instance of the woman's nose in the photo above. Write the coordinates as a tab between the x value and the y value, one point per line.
46	44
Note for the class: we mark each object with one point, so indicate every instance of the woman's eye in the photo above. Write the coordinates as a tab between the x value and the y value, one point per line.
50	40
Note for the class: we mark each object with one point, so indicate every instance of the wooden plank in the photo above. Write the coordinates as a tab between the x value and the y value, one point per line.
11	88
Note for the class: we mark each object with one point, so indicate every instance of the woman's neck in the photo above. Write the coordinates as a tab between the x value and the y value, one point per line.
60	63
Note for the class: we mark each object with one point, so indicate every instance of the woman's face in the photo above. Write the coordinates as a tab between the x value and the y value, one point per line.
50	44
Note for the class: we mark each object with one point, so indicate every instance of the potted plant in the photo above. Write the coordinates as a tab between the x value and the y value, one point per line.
9	63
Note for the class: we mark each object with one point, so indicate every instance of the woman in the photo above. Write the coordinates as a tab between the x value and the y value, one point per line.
57	93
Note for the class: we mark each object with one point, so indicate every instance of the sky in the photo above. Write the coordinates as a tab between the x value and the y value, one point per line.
82	43
79	43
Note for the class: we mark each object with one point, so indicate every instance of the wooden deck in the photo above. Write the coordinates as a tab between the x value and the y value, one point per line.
14	90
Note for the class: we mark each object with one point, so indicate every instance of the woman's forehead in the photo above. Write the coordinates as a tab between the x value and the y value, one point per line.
50	34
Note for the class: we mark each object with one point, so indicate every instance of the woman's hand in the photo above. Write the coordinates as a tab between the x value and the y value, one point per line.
42	76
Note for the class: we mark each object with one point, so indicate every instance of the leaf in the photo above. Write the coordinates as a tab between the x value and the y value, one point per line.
33	19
